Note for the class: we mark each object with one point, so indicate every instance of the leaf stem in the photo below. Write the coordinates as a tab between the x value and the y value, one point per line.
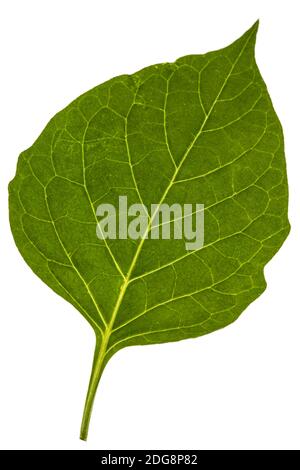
99	360
97	369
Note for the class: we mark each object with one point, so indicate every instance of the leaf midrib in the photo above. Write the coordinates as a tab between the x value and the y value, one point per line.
126	282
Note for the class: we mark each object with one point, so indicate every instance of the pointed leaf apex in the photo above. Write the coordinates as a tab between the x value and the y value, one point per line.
253	30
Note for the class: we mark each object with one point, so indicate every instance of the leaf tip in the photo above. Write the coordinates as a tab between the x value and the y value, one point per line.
253	30
249	37
254	27
256	24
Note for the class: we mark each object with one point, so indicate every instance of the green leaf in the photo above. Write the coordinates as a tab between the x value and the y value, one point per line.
199	130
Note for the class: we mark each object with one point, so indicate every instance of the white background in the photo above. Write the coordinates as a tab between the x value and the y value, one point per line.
237	388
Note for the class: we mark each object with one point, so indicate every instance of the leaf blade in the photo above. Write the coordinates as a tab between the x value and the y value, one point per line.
202	129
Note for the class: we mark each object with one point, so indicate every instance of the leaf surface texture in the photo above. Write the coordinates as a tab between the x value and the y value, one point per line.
199	130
